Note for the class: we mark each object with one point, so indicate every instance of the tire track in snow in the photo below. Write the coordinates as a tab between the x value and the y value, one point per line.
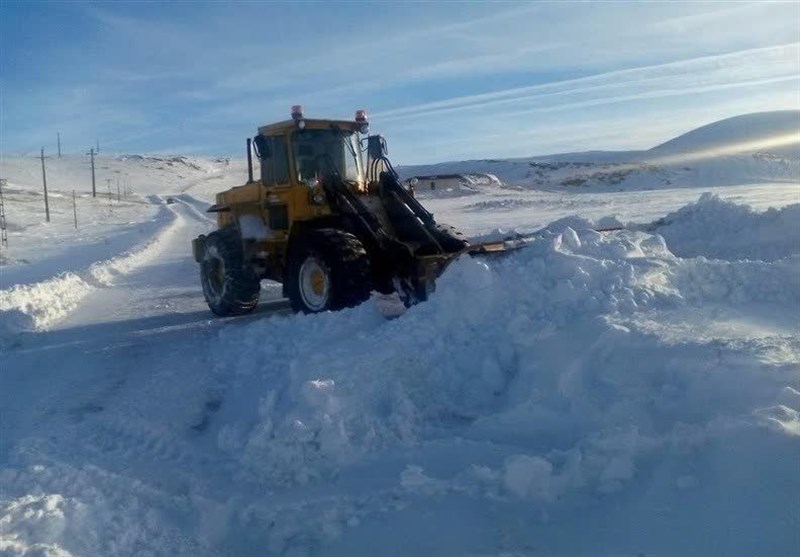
196	206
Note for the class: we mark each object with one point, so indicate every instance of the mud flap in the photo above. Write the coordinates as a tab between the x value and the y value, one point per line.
199	247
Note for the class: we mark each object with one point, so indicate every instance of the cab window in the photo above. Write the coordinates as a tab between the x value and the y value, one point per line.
281	160
274	157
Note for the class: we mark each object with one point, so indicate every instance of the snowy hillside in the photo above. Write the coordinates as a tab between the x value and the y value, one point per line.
770	133
142	174
634	392
754	148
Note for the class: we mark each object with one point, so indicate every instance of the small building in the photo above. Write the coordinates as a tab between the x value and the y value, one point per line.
457	184
439	181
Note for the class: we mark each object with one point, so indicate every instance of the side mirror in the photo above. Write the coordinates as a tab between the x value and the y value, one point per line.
413	182
262	145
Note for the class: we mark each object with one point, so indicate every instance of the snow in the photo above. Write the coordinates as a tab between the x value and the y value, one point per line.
36	249
721	229
778	133
36	305
590	393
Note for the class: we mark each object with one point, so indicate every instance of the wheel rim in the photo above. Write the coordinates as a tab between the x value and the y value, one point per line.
314	284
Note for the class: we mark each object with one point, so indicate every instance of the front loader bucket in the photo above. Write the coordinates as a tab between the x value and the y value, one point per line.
430	267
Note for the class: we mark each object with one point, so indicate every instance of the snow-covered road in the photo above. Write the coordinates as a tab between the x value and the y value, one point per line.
106	404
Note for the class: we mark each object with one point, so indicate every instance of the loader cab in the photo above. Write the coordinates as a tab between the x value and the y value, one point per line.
302	151
320	152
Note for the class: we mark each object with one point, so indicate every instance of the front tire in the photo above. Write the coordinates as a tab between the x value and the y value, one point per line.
230	287
328	270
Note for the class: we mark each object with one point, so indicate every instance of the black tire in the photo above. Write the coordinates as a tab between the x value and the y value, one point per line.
327	270
229	286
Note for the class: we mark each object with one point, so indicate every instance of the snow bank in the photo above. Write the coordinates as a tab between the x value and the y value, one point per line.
577	223
330	408
541	363
721	229
90	511
37	306
525	345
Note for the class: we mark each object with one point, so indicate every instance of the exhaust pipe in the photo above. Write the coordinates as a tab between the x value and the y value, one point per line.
249	161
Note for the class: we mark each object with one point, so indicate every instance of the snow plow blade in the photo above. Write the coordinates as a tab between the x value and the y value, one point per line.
490	248
431	267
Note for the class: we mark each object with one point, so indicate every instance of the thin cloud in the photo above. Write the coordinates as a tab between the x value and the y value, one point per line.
781	60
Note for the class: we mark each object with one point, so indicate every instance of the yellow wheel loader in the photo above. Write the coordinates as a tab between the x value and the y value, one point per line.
328	218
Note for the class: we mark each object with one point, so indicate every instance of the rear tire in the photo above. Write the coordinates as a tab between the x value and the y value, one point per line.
327	270
230	287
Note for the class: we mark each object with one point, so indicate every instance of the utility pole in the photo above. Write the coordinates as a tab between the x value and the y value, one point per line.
74	210
94	190
58	136
108	185
118	190
44	183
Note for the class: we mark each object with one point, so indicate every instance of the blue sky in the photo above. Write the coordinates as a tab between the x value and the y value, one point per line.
443	81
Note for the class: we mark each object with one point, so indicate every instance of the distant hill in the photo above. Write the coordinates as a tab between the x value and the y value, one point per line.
752	148
775	133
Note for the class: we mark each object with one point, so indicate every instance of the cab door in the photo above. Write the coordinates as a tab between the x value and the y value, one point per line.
273	155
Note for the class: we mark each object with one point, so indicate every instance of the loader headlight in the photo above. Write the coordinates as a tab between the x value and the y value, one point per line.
301	124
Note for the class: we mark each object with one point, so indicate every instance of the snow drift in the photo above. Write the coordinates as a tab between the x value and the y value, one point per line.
576	369
722	229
